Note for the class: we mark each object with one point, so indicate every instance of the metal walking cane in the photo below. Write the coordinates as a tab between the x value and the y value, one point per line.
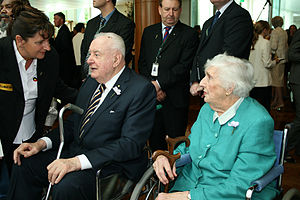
75	109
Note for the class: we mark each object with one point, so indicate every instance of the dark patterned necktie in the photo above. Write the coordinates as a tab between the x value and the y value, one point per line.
214	20
91	108
102	22
167	29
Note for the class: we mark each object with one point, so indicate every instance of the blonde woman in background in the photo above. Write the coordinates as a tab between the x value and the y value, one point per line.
279	48
261	59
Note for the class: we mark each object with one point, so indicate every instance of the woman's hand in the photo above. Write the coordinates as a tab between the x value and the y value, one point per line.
162	166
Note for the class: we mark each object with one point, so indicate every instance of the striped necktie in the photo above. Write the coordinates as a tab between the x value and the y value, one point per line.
91	108
167	29
102	22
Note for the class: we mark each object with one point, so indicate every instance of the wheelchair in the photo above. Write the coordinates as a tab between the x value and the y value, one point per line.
149	185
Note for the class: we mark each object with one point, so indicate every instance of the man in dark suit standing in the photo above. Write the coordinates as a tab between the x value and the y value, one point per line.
294	59
29	78
119	109
229	30
110	20
167	51
64	47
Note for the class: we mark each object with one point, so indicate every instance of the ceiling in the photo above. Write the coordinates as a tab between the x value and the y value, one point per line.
59	5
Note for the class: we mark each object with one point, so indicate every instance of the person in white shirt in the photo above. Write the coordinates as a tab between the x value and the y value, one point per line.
261	59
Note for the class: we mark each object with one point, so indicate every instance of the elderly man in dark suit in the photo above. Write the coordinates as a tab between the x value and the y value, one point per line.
119	108
229	30
110	20
29	78
167	51
64	47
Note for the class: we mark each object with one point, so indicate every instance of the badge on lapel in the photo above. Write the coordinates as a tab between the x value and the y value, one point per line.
6	87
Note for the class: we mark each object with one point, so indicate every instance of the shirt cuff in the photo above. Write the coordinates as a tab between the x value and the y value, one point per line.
157	83
84	162
48	143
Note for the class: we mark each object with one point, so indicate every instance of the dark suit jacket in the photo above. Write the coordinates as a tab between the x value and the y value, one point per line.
12	103
64	47
175	60
294	58
118	24
232	33
118	130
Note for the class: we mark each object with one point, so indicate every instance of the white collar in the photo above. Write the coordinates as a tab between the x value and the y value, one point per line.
228	114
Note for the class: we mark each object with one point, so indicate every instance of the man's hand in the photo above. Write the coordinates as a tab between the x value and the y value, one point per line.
173	196
60	167
157	88
162	165
195	89
160	96
27	150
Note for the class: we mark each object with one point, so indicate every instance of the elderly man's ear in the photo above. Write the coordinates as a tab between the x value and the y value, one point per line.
229	91
117	59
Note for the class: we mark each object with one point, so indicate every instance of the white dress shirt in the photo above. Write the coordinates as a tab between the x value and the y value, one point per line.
30	89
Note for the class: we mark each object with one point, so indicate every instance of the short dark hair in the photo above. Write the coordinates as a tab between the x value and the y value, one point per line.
61	15
114	2
180	3
79	26
29	21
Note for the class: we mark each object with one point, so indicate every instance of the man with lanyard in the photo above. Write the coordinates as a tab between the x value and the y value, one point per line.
167	51
110	20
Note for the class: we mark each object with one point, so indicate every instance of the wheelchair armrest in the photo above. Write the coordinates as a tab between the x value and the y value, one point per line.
183	160
259	184
268	178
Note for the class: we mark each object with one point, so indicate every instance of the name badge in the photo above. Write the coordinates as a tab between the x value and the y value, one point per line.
154	71
6	87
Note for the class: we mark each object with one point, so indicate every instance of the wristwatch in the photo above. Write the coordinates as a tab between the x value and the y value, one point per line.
189	196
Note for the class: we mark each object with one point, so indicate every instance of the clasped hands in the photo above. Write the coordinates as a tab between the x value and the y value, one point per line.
162	167
56	170
160	94
196	89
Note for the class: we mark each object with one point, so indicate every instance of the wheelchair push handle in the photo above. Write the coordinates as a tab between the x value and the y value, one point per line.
171	142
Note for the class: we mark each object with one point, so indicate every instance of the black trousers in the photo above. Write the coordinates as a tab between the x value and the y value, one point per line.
294	134
171	121
29	179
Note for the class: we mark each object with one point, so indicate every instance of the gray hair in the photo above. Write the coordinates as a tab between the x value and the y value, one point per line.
116	41
233	72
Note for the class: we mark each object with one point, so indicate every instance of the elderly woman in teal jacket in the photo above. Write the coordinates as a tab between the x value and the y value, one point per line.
231	140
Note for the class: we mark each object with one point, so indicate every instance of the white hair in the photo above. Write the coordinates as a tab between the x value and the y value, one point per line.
233	72
116	41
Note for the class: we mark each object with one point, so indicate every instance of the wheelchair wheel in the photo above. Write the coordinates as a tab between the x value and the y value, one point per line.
292	194
147	187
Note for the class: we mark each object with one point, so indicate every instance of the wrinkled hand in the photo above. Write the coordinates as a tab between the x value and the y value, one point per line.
161	95
60	167
195	89
27	150
162	165
173	196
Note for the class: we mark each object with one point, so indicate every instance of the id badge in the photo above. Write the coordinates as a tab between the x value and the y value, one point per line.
154	71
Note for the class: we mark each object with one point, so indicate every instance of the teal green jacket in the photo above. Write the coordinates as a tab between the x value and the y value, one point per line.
225	160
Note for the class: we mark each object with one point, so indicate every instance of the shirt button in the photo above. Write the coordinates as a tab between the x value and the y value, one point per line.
216	135
199	157
208	145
